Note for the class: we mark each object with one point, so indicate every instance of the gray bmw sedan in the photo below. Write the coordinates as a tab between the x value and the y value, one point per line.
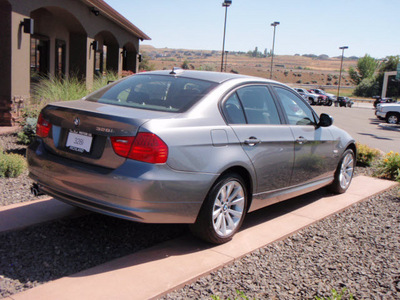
193	147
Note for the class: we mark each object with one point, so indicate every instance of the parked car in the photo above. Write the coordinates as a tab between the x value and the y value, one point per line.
344	101
311	98
202	148
389	112
382	100
330	97
322	99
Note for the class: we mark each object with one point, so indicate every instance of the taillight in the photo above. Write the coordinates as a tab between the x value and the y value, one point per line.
146	147
42	127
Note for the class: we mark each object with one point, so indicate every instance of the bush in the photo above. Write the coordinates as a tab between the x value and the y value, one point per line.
11	165
100	81
28	133
367	88
389	167
366	155
54	89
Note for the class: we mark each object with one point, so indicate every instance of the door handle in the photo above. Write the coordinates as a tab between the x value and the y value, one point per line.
252	141
301	140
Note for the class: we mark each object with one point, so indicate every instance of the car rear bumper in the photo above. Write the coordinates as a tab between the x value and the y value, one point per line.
135	191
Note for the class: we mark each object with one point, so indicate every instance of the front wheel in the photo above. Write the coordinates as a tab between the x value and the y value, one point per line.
223	211
393	118
344	172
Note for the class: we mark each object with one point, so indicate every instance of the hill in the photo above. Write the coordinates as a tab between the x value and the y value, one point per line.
301	70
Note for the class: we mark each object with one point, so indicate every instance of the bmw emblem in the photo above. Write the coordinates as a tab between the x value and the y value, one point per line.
77	121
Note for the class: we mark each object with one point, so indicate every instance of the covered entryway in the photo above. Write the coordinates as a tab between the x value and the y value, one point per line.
42	38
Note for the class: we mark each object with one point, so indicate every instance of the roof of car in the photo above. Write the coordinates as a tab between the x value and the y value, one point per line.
217	77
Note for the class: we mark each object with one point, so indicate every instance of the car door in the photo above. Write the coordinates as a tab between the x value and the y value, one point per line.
314	146
252	113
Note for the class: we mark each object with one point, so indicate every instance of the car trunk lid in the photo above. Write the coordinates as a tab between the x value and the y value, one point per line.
82	130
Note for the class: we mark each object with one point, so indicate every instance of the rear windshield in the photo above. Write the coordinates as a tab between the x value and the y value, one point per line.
154	92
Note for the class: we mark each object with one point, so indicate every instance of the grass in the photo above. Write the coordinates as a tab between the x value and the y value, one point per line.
53	89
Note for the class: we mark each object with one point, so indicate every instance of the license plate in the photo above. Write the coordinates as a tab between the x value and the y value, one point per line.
79	141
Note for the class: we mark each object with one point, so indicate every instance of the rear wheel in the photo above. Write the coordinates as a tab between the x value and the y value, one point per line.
344	172
223	211
393	118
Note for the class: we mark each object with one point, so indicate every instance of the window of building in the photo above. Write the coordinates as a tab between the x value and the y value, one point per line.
100	63
39	58
60	58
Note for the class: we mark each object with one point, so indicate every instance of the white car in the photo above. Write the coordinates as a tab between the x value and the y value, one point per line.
389	112
311	98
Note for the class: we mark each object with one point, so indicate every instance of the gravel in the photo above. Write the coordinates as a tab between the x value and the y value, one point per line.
358	249
14	190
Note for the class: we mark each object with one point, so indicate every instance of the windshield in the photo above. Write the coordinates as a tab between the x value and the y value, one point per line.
154	92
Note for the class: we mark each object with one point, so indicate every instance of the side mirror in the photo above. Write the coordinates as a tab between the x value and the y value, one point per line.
325	120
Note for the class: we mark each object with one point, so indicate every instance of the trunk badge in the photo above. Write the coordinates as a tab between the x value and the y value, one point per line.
77	121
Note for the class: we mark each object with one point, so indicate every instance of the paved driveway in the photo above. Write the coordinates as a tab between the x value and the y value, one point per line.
362	124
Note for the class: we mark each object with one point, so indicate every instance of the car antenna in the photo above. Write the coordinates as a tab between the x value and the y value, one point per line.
176	70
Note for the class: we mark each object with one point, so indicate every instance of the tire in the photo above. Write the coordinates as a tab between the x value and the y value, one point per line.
392	118
329	103
312	102
221	217
344	172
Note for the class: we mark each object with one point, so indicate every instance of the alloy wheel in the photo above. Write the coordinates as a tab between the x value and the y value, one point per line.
346	170
228	208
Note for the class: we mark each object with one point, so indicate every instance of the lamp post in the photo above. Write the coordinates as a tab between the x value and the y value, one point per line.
225	4
273	45
226	59
340	73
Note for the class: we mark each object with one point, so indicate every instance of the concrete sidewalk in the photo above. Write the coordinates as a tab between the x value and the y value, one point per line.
153	272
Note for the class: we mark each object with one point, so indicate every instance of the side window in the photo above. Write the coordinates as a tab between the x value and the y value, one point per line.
297	111
259	105
233	110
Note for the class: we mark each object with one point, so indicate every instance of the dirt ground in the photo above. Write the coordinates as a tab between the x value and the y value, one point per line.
297	69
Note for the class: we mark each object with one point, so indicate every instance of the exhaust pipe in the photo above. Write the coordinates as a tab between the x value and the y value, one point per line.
35	191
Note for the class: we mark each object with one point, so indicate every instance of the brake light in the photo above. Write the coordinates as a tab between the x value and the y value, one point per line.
146	147
122	144
42	127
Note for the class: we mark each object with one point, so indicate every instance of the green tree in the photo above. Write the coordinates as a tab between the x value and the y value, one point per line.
365	69
185	65
389	64
145	65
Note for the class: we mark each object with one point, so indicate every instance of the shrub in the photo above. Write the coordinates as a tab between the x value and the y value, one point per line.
100	81
27	135
11	165
389	167
51	89
366	155
367	88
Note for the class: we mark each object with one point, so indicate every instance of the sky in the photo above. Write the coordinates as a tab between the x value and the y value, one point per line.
306	26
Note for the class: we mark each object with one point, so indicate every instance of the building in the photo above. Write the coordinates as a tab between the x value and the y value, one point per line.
60	38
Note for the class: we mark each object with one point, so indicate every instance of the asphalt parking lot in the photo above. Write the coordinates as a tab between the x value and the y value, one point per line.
362	124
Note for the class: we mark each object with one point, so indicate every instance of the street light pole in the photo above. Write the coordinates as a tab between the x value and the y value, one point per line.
226	59
340	73
225	4
273	46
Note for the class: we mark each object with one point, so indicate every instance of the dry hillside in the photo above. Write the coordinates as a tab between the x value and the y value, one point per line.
297	69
